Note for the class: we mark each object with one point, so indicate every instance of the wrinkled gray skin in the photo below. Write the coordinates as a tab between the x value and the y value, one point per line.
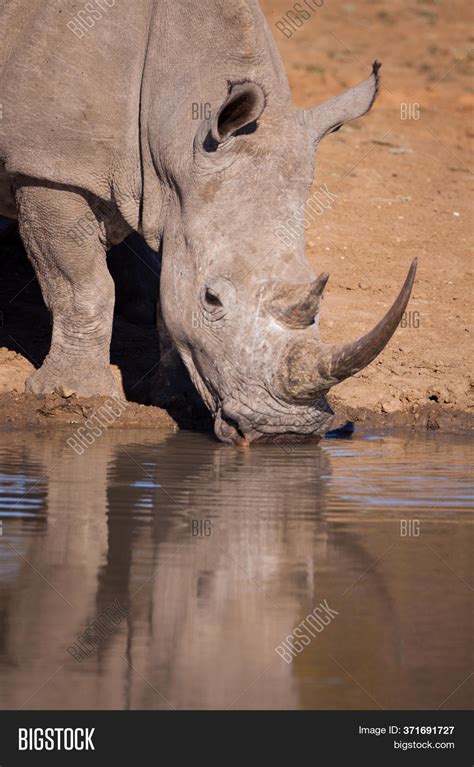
102	127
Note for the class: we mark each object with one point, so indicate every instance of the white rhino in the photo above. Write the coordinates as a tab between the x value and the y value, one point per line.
173	119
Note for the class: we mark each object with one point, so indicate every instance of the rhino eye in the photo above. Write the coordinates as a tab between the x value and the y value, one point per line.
212	298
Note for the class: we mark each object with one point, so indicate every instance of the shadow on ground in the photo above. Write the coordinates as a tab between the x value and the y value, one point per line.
25	324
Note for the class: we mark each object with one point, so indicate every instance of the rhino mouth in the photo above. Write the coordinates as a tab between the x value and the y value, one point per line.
227	429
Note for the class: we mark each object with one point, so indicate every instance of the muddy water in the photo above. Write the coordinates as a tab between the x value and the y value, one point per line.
209	557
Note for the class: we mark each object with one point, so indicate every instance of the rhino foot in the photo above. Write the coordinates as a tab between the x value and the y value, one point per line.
84	382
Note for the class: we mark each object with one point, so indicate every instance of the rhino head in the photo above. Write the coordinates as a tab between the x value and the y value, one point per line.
240	302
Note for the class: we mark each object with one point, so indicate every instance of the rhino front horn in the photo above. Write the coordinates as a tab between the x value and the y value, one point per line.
296	305
310	367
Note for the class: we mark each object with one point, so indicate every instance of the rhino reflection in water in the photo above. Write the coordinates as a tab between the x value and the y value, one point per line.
205	614
99	127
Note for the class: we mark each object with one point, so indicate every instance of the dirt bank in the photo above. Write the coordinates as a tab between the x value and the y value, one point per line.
20	411
402	182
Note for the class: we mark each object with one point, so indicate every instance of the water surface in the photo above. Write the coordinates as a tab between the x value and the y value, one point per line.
217	553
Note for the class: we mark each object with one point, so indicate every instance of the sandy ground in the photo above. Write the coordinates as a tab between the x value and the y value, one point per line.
404	189
402	182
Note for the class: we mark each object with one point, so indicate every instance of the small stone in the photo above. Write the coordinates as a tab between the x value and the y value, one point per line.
390	406
65	392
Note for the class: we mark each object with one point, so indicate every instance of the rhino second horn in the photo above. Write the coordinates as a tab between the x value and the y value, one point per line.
297	305
311	367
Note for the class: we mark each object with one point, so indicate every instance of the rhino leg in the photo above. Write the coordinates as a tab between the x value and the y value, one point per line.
76	287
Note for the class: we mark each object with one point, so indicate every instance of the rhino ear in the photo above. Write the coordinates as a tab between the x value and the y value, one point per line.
242	107
333	113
